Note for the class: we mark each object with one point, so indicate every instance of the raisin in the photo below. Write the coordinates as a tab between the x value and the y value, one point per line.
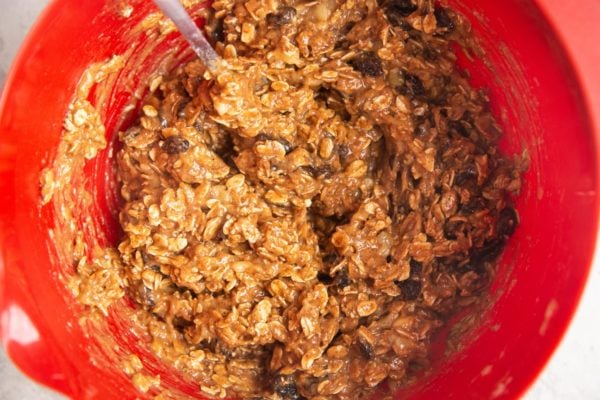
218	31
207	344
175	144
146	296
324	278
403	7
365	347
489	252
414	182
413	86
181	323
459	128
344	151
347	28
474	205
451	227
396	10
342	44
181	108
467	174
285	387
405	26
283	17
410	289
286	145
310	170
507	222
261	137
391	212
131	133
416	268
389	259
145	257
443	19
421	131
335	101
155	268
342	279
198	125
368	64
324	170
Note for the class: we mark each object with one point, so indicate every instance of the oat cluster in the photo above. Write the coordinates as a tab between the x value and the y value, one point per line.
300	225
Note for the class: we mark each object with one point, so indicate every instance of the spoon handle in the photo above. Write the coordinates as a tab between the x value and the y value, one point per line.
184	23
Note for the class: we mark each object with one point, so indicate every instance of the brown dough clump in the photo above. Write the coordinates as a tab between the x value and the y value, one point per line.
299	226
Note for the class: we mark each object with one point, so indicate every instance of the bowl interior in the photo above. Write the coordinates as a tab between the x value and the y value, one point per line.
534	94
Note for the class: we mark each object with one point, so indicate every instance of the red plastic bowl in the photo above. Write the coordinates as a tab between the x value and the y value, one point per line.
544	88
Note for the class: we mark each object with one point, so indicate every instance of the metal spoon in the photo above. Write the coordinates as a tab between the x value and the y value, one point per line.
184	23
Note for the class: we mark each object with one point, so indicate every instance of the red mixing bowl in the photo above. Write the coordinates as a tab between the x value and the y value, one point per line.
545	90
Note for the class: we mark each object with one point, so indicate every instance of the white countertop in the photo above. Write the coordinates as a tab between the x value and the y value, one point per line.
573	373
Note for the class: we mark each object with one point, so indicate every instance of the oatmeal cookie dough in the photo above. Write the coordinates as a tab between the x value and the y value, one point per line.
299	226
